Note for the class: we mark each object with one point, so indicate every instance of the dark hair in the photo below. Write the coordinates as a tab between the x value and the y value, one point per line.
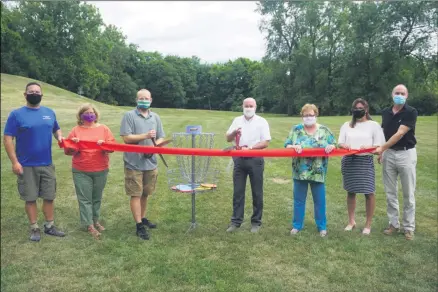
366	107
32	83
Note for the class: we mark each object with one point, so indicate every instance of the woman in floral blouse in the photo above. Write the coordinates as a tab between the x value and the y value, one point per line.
309	170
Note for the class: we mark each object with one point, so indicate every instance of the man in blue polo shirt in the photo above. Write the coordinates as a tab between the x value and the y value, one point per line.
32	127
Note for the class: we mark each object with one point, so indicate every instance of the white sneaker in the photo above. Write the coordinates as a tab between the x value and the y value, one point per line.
323	233
294	231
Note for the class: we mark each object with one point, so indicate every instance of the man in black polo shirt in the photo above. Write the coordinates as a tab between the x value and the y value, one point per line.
399	158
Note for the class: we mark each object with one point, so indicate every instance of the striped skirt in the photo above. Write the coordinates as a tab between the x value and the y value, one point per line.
358	174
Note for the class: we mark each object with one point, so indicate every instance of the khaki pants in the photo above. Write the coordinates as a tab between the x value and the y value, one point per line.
400	163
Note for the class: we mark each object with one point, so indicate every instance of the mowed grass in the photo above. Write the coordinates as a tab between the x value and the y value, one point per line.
209	259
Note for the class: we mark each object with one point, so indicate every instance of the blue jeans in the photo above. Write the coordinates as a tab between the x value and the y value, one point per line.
300	194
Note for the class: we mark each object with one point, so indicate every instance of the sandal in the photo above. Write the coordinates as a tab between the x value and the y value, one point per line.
93	232
366	231
350	227
99	227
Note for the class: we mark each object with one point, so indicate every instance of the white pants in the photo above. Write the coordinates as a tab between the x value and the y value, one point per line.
401	163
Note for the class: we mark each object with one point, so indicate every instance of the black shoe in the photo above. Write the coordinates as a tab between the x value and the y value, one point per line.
35	234
141	231
53	231
149	224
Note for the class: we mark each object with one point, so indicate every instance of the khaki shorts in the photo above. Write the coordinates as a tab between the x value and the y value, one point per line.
140	183
37	182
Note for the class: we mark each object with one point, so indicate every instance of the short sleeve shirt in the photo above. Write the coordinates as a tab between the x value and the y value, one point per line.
33	130
91	160
407	116
368	134
310	168
134	123
254	130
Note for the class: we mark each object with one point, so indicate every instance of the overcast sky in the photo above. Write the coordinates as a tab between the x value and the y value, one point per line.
213	31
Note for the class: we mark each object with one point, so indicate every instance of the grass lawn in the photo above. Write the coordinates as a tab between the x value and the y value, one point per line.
209	259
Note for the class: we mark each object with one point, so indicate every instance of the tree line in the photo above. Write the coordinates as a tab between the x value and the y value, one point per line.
327	53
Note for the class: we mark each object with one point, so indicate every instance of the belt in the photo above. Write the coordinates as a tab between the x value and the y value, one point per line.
248	157
402	148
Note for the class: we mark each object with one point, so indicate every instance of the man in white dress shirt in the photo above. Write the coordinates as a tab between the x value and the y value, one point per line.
254	134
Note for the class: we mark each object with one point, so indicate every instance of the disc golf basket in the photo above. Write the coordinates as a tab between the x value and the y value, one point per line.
194	174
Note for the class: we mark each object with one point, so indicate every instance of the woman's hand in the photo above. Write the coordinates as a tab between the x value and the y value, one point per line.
345	146
298	149
100	142
76	140
329	148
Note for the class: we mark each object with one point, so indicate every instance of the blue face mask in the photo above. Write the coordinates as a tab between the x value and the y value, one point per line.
143	104
398	99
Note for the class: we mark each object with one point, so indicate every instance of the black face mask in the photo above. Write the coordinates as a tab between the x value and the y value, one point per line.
33	98
358	113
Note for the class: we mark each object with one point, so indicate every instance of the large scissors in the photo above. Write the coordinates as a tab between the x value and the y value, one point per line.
237	146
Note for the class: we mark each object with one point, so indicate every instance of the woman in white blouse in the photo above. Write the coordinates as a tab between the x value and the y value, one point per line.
358	173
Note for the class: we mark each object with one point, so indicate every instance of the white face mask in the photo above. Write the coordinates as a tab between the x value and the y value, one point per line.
249	112
309	121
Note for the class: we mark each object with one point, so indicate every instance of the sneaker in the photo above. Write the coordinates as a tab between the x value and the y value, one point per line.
255	228
409	235
147	223
390	230
232	228
35	234
294	231
323	233
141	232
53	231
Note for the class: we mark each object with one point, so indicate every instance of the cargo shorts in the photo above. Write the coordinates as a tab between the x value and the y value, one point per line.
140	183
37	182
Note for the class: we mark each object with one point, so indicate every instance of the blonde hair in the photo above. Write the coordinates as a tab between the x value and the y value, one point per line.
309	107
83	108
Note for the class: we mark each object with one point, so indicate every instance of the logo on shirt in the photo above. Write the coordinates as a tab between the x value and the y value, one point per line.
47	118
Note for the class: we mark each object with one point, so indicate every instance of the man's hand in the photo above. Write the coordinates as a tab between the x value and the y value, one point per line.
17	168
60	138
329	148
378	151
151	134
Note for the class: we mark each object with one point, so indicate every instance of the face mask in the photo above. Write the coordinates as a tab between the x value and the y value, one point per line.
398	99
143	104
309	121
358	113
88	117
249	112
33	98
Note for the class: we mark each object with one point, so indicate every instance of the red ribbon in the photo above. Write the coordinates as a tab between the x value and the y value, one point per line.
310	152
